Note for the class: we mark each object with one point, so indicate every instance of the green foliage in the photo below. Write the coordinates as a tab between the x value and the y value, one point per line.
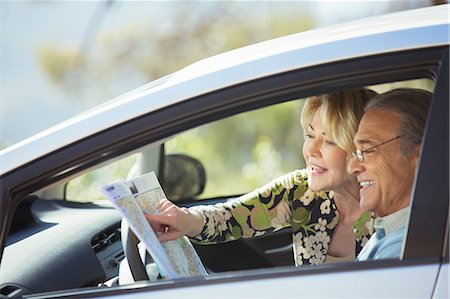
57	61
245	151
86	188
142	52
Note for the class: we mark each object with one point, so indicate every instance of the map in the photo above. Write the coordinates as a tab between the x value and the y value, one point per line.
133	198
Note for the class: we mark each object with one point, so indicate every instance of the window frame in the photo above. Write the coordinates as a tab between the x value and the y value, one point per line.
432	175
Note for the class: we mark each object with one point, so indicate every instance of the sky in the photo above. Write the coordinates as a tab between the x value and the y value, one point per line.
30	102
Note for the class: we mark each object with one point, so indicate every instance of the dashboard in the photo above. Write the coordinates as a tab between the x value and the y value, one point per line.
56	244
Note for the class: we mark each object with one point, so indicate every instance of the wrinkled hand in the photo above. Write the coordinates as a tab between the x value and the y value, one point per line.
172	222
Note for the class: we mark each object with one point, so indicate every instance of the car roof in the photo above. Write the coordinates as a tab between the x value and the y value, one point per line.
376	35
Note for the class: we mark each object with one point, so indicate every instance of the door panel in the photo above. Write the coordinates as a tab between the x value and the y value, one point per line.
379	279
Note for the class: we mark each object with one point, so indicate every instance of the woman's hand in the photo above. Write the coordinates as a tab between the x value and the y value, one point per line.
172	222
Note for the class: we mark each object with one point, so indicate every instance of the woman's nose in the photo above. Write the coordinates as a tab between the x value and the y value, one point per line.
313	148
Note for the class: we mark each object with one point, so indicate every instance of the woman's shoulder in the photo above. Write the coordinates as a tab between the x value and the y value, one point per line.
288	181
296	177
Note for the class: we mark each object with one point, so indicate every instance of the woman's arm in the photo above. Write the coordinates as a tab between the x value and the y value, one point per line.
172	222
263	210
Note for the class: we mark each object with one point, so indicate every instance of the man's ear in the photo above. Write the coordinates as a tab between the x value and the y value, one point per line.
415	155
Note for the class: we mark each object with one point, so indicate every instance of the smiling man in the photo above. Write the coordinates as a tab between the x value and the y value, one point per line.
388	144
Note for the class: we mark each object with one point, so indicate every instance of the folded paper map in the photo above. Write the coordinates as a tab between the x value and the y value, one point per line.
133	198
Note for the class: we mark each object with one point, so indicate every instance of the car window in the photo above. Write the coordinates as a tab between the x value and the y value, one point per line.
86	187
245	151
254	146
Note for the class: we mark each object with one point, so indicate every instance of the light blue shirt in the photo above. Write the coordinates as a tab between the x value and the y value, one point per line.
387	240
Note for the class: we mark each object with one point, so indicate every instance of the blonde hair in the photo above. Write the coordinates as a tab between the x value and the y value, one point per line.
341	114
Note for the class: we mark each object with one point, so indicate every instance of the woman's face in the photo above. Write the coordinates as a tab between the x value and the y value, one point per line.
325	160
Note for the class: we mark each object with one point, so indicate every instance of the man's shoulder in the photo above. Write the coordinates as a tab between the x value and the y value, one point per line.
391	244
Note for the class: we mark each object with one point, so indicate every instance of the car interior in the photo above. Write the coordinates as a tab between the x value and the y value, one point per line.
68	236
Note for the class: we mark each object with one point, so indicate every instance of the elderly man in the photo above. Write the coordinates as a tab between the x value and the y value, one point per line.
388	144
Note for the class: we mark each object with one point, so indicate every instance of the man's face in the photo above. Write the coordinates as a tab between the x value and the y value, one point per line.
385	177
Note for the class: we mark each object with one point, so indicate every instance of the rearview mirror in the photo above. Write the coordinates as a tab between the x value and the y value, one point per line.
184	177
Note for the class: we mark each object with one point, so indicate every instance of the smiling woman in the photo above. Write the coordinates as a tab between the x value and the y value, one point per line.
43	233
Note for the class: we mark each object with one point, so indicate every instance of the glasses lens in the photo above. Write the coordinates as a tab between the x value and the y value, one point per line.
359	154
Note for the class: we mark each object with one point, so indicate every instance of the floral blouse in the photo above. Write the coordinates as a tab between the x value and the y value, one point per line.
285	202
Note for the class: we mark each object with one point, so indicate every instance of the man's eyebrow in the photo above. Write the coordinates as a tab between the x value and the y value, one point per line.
311	127
364	141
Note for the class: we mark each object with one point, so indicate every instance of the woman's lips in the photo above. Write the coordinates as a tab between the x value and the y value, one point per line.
317	170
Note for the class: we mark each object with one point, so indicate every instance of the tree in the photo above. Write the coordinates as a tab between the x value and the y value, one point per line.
138	53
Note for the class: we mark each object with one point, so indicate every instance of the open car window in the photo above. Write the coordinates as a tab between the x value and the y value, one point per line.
248	150
256	147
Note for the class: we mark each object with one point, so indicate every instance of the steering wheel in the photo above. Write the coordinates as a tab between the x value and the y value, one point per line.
190	178
130	247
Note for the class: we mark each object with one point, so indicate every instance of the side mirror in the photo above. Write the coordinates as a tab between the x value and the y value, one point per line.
184	177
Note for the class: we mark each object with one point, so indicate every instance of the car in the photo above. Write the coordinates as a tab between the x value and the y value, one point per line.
59	241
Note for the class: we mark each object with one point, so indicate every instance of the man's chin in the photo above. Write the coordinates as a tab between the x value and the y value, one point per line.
366	204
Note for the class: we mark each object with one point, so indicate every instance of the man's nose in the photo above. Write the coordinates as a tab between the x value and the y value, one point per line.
355	166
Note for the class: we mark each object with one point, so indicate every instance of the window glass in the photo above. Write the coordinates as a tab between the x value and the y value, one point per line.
86	188
255	147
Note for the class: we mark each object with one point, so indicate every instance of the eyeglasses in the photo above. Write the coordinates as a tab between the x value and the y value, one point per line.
360	154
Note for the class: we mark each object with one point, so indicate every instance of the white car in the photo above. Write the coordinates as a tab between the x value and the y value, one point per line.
55	247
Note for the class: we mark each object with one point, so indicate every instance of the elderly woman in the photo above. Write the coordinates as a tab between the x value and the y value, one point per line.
320	203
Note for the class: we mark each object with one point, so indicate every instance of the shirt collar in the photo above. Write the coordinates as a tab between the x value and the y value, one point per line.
392	222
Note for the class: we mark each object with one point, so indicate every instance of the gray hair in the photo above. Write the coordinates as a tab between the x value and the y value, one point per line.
411	106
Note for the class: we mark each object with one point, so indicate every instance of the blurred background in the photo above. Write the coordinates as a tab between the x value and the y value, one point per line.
59	58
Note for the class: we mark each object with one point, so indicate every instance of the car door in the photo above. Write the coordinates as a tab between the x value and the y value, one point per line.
413	276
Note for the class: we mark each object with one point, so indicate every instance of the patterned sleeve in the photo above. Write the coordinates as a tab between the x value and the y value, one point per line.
266	209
